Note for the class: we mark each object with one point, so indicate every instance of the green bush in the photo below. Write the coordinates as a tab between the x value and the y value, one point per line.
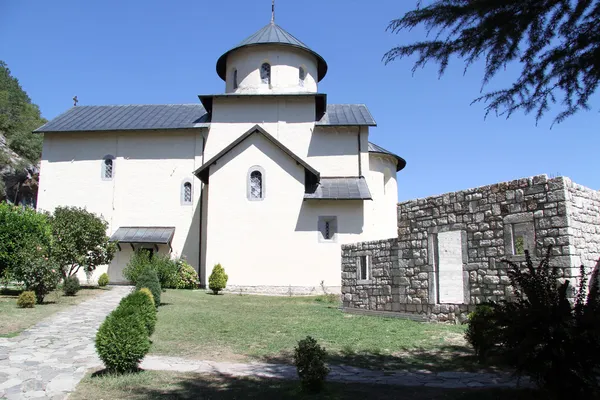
103	280
149	279
309	359
187	277
148	294
26	300
166	269
217	280
23	232
39	274
122	341
481	331
545	336
139	303
71	286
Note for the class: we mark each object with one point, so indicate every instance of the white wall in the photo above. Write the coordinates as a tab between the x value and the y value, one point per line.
382	211
285	63
149	169
273	242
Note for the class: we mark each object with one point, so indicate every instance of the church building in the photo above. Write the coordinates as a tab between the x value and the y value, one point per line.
267	178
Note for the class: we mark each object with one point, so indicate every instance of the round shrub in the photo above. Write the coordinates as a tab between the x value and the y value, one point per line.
39	274
148	293
481	332
149	279
71	286
122	341
103	280
187	277
309	358
141	304
26	300
217	280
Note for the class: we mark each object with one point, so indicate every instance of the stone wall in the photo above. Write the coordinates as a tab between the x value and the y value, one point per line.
446	258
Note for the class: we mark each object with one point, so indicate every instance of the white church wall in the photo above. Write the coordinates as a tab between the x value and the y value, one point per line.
149	171
274	242
285	63
381	178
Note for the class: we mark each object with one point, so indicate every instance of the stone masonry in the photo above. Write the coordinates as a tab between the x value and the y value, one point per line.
447	256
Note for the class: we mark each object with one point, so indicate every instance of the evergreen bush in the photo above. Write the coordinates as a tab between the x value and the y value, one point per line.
217	280
149	279
122	341
187	277
26	300
103	280
71	286
141	304
481	331
166	269
148	293
309	359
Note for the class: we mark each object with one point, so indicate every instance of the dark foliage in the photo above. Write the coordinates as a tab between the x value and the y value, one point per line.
309	358
557	43
139	303
149	279
122	341
71	286
545	336
481	332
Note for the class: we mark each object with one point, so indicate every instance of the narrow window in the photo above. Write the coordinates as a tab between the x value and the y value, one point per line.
186	195
235	79
265	73
363	268
327	229
108	168
256	191
301	76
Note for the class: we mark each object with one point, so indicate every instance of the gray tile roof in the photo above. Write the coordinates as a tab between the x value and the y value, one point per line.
272	34
353	188
400	162
143	234
128	117
347	115
175	116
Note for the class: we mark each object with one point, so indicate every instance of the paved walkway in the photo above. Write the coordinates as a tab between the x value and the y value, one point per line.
338	374
48	360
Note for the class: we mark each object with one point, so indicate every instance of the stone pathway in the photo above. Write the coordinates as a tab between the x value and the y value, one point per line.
48	360
338	374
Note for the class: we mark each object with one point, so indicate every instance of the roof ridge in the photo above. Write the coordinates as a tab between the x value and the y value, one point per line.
138	105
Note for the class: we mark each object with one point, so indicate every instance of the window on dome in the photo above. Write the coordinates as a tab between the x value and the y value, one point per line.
265	73
301	75
235	79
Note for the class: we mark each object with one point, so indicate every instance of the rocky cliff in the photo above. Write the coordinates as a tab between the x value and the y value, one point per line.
18	177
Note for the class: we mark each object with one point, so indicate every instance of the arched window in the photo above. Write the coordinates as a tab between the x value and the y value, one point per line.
186	193
301	76
265	73
108	168
235	79
256	183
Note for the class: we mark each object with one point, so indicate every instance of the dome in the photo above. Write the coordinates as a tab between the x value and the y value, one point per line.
272	34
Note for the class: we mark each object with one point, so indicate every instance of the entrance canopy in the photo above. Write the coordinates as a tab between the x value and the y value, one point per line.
143	235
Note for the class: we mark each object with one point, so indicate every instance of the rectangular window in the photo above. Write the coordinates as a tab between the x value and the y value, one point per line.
327	229
363	268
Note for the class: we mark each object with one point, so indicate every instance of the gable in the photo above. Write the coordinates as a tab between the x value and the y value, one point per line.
312	176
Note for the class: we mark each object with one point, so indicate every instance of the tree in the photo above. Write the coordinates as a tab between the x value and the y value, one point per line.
19	117
556	41
80	240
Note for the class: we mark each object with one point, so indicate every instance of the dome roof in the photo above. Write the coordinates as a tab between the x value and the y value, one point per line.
275	35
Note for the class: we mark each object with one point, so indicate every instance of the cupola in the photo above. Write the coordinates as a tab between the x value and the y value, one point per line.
271	61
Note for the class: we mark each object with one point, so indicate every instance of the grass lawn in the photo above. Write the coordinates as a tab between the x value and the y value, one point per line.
170	385
230	327
15	319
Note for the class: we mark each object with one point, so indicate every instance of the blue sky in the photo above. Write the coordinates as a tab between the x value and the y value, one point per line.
127	52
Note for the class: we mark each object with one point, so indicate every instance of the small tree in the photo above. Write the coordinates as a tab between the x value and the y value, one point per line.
217	280
23	232
80	240
309	358
39	274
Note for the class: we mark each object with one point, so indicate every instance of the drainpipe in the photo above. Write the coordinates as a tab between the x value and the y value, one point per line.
359	155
